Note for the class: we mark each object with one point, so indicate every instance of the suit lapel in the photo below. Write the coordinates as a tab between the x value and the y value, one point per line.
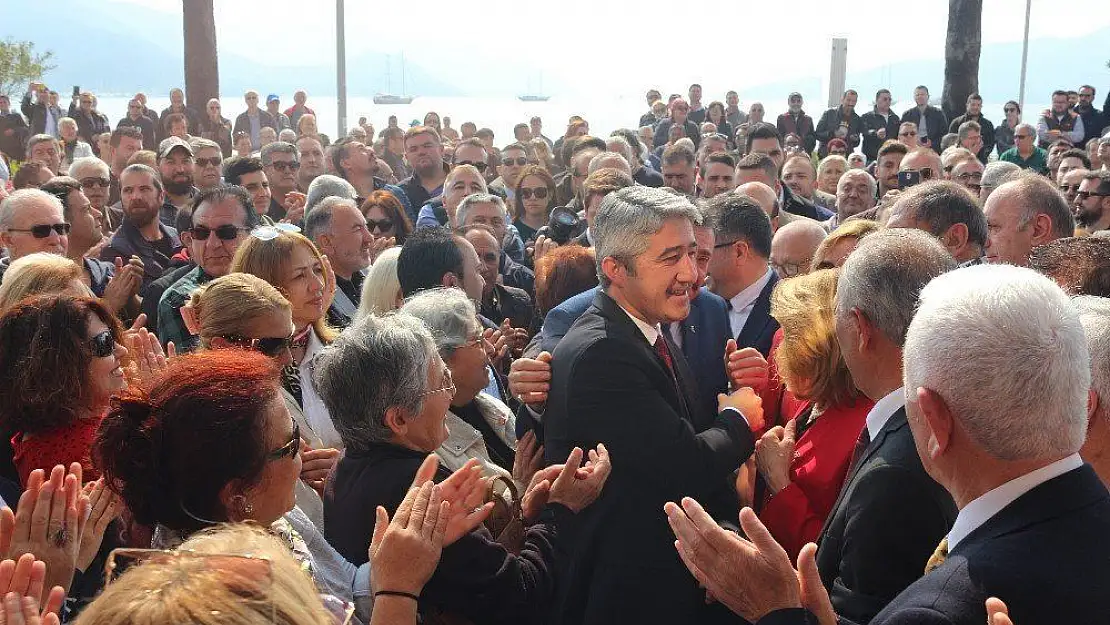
760	317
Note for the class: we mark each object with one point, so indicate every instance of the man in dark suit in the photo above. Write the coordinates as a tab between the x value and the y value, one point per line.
618	379
739	270
931	122
1030	508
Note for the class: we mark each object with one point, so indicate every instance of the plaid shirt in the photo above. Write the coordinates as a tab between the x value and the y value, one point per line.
171	327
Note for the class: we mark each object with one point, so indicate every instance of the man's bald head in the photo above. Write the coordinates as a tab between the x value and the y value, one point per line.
794	246
761	194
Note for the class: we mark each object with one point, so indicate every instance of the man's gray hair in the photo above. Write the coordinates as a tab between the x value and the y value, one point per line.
87	163
468	202
448	314
872	185
621	145
288	135
628	217
884	276
318	220
1005	349
1094	314
614	160
998	173
281	147
327	185
376	364
1030	127
22	200
37	139
1036	195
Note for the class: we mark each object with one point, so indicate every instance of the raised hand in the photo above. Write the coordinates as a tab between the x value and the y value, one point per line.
576	491
997	612
496	344
294	207
380	245
21	587
316	465
543	247
48	523
104	506
404	552
530	379
746	367
148	359
773	454
464	490
124	285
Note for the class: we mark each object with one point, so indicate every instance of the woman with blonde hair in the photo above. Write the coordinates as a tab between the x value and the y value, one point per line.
834	250
804	463
381	290
290	262
41	274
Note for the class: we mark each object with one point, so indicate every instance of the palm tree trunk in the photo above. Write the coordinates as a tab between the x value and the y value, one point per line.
961	55
202	77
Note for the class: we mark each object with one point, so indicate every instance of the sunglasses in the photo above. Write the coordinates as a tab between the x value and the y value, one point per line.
267	346
1023	136
1083	195
286	165
42	231
519	161
289	449
1009	110
103	344
540	193
380	225
210	162
227	232
88	183
480	166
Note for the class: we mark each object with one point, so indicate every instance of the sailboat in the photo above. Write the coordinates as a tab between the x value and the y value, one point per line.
389	98
535	97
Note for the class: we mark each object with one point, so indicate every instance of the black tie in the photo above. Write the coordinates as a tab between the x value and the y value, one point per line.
857	452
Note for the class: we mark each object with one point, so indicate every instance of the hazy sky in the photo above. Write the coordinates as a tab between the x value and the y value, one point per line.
699	40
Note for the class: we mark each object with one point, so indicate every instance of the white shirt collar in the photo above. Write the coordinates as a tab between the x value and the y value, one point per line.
651	332
986	506
883	410
747	297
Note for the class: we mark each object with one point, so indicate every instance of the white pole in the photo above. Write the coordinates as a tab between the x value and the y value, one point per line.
1024	56
340	69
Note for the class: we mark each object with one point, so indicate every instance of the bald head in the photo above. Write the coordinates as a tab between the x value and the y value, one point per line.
761	194
794	245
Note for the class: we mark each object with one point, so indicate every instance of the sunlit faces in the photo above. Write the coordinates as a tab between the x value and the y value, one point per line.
213	253
717	178
679	176
769	146
1091	208
489	256
19	239
177	169
258	186
854	193
84	220
208	161
140	197
48	154
799	176
304	286
348	241
423	152
105	372
655	286
461	183
490	215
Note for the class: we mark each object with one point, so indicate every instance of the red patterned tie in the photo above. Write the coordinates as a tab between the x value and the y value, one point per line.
664	353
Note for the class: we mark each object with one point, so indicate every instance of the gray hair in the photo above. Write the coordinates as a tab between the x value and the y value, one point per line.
376	364
381	288
621	145
449	315
1094	314
318	220
267	152
872	185
1005	349
67	121
606	159
23	199
468	202
288	135
327	185
628	217
884	276
88	162
1030	127
37	139
997	173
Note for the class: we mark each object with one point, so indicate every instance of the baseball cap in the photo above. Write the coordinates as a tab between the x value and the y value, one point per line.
272	97
169	144
794	94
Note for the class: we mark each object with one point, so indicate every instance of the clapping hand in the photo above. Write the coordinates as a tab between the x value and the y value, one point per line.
576	490
294	207
528	459
496	344
124	285
379	245
773	454
104	507
530	379
49	523
21	584
404	552
746	367
515	338
316	465
464	490
147	358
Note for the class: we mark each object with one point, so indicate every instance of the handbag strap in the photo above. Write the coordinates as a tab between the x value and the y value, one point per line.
514	492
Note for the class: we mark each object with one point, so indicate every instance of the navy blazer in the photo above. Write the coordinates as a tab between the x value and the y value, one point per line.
704	334
759	330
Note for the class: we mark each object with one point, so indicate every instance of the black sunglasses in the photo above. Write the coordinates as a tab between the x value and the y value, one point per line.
527	193
210	162
226	232
289	449
88	183
103	344
42	231
267	346
1083	195
380	225
284	165
1009	110
520	161
480	165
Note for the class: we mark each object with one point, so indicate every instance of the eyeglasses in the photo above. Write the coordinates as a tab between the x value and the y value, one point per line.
289	449
908	134
1009	110
379	225
103	344
210	162
271	346
269	233
88	183
228	232
1023	136
480	165
42	231
788	270
1083	195
519	161
286	165
448	385
527	193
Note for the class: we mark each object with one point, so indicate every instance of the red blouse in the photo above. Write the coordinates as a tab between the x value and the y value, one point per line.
63	445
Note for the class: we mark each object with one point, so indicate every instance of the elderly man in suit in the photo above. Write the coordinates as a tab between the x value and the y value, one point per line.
1029	509
619	379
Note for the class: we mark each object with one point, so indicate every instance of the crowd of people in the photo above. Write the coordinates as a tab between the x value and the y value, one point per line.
705	369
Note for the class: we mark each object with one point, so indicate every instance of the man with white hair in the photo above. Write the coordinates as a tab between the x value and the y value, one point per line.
1028	509
995	174
793	247
1023	214
609	160
1094	314
489	210
619	380
32	221
338	228
1025	153
96	180
855	194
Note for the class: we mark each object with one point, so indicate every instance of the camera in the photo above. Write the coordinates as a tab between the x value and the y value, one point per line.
563	225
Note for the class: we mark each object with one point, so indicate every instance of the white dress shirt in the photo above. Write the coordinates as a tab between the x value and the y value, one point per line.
744	301
315	412
651	332
883	410
986	506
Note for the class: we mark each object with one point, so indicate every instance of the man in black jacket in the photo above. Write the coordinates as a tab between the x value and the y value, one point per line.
1094	120
841	122
42	115
1030	508
618	379
986	128
879	125
136	119
931	122
679	115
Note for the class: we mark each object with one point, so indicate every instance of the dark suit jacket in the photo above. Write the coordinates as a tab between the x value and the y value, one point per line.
759	330
797	205
936	123
888	520
616	559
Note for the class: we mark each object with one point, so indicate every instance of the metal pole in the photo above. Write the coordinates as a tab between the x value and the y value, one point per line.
1024	56
340	70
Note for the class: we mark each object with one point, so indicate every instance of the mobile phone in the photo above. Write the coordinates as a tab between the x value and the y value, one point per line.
76	90
907	179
